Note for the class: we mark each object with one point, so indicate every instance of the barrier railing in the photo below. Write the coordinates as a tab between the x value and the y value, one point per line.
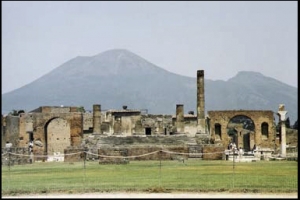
127	173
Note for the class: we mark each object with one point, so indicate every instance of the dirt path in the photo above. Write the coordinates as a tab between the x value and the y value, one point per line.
161	195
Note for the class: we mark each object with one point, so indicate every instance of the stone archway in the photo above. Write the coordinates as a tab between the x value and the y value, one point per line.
262	135
57	135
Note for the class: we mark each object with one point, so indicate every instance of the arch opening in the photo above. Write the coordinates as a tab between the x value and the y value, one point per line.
238	129
57	136
218	129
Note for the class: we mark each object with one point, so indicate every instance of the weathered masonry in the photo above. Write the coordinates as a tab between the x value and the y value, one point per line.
51	128
260	129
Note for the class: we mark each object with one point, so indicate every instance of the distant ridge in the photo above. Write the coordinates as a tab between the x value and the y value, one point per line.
119	77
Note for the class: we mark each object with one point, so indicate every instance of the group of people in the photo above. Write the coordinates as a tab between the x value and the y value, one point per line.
232	147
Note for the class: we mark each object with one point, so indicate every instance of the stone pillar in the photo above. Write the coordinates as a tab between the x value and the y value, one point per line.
179	118
252	140
200	102
282	118
240	138
97	119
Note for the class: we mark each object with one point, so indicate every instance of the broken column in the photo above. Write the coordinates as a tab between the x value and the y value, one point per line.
179	118
282	118
200	102
97	119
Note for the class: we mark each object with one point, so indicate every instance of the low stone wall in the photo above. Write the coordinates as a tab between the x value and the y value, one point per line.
115	141
140	153
212	152
114	149
14	156
74	155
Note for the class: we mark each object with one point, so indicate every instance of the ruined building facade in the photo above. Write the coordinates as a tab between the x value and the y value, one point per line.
55	128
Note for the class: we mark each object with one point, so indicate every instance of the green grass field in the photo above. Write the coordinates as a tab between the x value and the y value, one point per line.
152	176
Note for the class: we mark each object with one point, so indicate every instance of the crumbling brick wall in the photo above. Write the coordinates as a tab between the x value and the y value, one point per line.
140	152
213	152
74	154
14	156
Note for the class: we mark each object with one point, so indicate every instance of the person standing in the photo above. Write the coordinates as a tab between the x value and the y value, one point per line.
234	147
8	145
31	156
30	150
241	152
30	146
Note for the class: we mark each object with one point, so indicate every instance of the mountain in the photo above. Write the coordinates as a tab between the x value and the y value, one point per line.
119	77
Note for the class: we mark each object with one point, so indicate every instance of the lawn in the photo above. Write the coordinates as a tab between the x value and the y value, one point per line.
153	176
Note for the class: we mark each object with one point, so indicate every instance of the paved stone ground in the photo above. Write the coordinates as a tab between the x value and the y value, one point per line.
161	195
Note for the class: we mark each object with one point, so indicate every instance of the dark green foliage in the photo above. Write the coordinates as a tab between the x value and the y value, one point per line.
14	113
81	109
287	123
295	126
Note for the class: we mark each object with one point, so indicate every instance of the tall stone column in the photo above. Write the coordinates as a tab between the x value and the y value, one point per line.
200	102
179	118
97	119
282	118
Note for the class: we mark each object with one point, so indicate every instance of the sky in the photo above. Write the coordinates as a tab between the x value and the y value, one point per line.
221	38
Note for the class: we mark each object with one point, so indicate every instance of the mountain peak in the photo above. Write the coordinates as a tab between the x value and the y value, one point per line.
248	73
246	76
115	52
122	61
254	78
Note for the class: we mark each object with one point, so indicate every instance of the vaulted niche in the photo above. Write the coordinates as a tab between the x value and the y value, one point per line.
57	136
218	131
265	130
148	131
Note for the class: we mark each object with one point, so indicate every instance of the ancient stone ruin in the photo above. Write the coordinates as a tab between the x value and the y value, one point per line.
59	131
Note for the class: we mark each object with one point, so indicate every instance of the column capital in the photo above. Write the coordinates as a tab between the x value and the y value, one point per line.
282	115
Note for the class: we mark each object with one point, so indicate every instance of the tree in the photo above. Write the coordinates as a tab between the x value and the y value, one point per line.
81	109
14	113
21	111
287	123
191	112
295	126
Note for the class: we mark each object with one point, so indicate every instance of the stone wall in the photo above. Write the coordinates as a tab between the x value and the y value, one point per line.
14	156
57	109
158	124
213	152
88	122
74	154
41	122
257	116
11	131
118	141
140	153
190	125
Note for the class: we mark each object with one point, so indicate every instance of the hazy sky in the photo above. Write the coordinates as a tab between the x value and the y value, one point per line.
182	37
